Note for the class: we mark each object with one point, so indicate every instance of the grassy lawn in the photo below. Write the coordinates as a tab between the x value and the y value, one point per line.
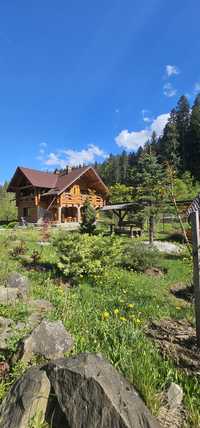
109	315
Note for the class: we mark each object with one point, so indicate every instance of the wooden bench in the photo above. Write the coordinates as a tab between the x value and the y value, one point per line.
133	231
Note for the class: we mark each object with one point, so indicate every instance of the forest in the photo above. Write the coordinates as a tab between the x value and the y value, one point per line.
177	148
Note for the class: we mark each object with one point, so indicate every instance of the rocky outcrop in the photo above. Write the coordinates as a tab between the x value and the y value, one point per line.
8	296
49	340
15	280
5	332
91	393
26	401
86	391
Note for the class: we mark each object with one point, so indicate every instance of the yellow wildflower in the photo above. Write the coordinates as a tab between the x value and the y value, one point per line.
130	305
122	318
116	311
178	307
105	315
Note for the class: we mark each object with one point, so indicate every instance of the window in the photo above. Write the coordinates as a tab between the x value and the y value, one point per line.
25	212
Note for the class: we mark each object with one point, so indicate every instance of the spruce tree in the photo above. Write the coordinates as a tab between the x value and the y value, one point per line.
88	218
182	125
169	144
194	140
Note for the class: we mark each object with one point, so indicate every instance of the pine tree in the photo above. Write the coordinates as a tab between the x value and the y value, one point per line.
123	166
182	125
88	218
169	144
194	140
150	184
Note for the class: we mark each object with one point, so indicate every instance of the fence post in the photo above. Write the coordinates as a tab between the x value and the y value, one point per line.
194	217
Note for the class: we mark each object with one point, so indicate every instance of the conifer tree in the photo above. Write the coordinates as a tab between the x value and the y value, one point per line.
182	125
169	144
88	218
194	140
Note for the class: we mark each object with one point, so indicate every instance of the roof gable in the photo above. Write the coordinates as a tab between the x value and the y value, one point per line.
35	178
57	182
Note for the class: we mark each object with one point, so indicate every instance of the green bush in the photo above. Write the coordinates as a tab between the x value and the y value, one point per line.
88	224
138	257
85	255
12	224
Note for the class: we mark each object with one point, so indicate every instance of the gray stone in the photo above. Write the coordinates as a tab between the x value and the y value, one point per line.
9	296
49	339
174	395
41	305
26	401
15	280
5	323
5	332
90	393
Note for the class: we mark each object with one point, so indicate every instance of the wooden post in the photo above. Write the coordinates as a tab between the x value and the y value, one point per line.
151	229
194	217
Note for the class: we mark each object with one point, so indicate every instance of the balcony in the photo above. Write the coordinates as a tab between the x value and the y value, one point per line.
69	199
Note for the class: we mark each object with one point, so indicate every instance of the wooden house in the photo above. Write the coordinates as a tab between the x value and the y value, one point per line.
57	196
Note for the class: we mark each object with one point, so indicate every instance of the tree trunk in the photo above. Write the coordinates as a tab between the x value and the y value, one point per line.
151	229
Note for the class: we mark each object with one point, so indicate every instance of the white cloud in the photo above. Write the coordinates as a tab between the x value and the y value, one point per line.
197	87
145	116
171	70
169	91
74	157
159	123
43	144
132	140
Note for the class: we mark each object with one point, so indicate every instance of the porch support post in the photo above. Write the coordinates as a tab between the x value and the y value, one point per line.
59	214
79	213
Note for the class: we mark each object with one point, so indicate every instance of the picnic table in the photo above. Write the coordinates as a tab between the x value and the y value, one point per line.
134	231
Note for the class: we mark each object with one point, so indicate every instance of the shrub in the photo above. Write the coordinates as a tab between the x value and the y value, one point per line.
177	237
88	218
80	255
12	224
138	257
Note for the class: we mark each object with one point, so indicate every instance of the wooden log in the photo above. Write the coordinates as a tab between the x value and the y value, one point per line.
194	217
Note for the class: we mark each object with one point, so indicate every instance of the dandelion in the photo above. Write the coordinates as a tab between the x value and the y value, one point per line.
105	315
122	319
130	305
116	311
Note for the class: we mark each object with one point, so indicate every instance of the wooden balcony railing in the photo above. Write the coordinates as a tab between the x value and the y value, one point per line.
95	200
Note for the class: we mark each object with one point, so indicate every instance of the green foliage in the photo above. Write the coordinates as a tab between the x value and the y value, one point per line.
121	193
83	255
88	218
138	257
12	225
8	209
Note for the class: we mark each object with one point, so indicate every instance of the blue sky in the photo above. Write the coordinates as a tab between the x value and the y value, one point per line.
81	79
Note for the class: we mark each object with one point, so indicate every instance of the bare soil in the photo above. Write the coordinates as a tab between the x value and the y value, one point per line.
176	339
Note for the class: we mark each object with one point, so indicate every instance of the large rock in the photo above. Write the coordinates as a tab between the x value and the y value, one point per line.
26	401
15	280
90	393
49	339
8	296
6	332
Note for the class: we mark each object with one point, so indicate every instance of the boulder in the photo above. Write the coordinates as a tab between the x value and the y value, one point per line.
26	401
174	395
8	296
88	392
15	280
41	305
5	332
49	340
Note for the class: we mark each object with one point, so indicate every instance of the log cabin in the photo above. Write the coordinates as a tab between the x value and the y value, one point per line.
56	196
